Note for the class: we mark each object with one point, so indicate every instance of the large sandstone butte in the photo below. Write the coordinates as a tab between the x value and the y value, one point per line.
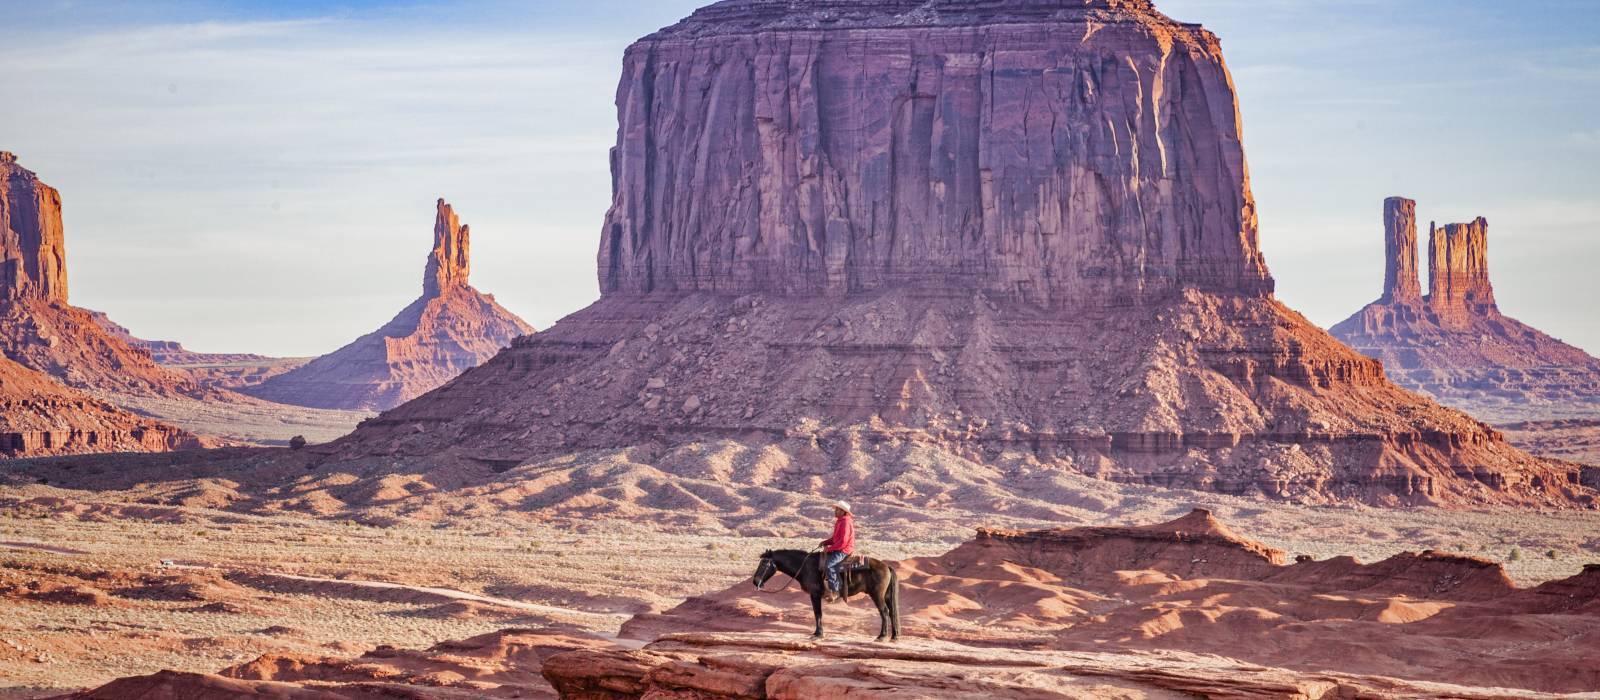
999	227
1455	344
50	347
451	328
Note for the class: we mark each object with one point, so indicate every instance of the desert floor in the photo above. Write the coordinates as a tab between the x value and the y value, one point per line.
95	586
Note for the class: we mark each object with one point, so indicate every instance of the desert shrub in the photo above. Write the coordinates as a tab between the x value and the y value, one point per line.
1516	554
1551	554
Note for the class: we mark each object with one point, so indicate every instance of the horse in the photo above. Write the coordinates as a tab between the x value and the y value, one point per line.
878	580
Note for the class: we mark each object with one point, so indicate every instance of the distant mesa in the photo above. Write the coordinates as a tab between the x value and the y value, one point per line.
1454	343
1017	232
451	328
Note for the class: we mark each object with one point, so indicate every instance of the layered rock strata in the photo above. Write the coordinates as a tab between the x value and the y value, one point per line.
993	227
1456	345
451	328
39	417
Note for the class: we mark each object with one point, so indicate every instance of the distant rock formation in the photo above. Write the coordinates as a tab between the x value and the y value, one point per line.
449	329
172	352
1006	229
1455	344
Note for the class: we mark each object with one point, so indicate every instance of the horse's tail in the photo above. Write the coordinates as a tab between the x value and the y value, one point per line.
894	600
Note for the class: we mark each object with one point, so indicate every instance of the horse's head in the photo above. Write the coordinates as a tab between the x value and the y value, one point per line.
764	570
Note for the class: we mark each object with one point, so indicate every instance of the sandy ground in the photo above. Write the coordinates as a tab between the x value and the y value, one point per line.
113	615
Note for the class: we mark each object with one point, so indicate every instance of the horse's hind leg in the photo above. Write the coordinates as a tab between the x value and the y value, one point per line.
883	615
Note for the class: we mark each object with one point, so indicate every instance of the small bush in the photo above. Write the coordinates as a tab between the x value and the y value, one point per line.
1516	554
1551	554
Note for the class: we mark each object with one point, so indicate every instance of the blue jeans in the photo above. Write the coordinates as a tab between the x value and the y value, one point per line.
830	565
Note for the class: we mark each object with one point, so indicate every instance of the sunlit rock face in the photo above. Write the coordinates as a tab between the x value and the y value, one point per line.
33	256
1077	153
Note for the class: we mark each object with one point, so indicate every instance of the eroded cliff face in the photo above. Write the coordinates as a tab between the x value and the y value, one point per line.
1458	270
1455	344
449	329
1073	153
33	257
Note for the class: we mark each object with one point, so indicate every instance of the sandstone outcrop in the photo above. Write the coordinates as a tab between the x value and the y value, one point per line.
39	417
451	328
992	227
33	257
1455	344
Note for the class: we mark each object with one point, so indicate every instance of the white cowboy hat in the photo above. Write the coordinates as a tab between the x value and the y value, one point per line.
841	505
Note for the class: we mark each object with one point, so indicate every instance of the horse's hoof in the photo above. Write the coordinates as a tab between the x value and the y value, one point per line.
816	637
880	639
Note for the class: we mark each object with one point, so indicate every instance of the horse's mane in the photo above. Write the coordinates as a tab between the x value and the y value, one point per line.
777	552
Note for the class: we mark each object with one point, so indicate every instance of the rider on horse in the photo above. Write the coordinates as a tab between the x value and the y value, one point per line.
838	547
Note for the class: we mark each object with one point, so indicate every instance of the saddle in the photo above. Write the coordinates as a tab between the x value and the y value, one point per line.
854	563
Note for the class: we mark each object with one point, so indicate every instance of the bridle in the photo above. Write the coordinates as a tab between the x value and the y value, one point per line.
768	569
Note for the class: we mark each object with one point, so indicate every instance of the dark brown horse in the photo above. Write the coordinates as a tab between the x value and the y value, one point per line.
878	580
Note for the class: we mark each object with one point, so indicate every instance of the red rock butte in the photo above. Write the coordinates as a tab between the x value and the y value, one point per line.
1000	228
51	350
1455	343
451	328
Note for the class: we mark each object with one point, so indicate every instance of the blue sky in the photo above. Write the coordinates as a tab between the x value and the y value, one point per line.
260	176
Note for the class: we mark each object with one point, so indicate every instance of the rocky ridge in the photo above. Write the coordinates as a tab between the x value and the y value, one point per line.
451	328
995	228
1455	344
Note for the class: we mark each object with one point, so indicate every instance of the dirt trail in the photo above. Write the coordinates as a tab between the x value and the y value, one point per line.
39	547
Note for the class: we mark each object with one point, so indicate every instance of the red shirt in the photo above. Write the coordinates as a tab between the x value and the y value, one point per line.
844	536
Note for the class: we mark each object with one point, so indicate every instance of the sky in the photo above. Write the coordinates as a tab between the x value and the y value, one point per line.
261	177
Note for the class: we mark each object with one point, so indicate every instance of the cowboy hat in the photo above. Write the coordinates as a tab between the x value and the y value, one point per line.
841	505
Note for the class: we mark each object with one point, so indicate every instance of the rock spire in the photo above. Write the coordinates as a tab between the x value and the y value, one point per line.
450	263
451	328
33	256
1400	283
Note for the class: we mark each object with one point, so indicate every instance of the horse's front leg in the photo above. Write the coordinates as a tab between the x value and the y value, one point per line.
816	609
